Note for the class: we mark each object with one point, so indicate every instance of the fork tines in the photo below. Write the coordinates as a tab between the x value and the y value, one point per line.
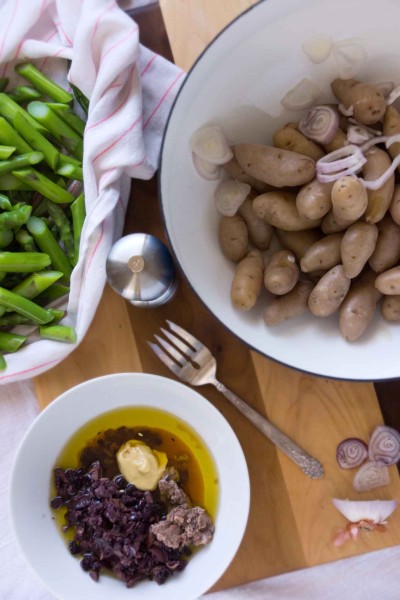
173	359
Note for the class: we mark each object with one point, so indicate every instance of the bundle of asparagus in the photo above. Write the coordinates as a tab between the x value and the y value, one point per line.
42	207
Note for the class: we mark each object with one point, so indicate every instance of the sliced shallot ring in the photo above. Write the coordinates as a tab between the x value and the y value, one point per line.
210	144
384	446
370	476
349	57
394	94
345	157
324	178
351	453
303	95
320	124
371	130
230	195
346	112
206	169
318	48
358	135
377	511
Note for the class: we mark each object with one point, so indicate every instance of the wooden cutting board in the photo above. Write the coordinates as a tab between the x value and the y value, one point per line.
292	521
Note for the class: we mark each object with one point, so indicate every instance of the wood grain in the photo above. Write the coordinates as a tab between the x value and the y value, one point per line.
292	521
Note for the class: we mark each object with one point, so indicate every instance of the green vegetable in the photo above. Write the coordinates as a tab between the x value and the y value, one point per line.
3	83
25	240
54	292
6	151
24	93
19	162
24	307
13	319
9	183
42	184
10	342
70	171
63	226
23	262
59	333
10	137
57	315
45	240
80	98
5	203
16	217
37	141
36	283
78	213
3	364
42	83
68	115
9	108
62	132
6	237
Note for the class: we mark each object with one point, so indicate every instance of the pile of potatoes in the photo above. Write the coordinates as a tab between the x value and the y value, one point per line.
340	243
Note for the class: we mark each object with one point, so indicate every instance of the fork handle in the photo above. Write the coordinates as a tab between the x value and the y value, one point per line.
309	465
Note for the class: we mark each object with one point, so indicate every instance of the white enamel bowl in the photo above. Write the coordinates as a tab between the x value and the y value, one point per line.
238	82
37	532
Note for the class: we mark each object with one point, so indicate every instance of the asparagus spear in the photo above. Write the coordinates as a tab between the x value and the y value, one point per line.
16	217
5	203
6	237
23	262
36	283
42	83
9	108
9	183
57	315
59	333
78	214
21	161
80	98
3	83
6	151
64	228
10	137
11	342
25	240
62	132
37	141
13	319
39	182
48	244
54	292
24	307
3	364
24	93
69	160
68	115
70	171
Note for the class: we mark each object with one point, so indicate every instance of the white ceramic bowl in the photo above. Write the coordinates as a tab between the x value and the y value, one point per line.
36	531
238	82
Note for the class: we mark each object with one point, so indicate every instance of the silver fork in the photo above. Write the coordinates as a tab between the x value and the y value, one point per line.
188	350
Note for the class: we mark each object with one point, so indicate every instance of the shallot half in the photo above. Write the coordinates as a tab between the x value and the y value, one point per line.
351	453
370	476
230	195
367	515
210	144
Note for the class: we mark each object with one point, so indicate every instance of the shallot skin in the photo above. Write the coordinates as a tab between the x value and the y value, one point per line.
351	453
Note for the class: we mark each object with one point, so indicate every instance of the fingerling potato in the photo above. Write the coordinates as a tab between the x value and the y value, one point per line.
235	171
378	161
368	102
358	244
358	308
395	205
314	199
333	224
391	308
281	273
391	126
279	210
329	293
387	249
260	232
247	281
349	198
233	237
338	141
323	255
289	138
279	168
298	242
388	282
291	305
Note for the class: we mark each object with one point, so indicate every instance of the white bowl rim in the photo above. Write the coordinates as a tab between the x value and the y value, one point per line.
240	461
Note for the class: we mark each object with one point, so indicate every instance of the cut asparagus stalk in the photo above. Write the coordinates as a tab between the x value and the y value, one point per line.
43	84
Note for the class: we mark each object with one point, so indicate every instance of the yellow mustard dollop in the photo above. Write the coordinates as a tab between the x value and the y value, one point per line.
141	465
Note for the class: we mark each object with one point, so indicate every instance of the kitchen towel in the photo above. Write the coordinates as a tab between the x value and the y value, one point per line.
131	91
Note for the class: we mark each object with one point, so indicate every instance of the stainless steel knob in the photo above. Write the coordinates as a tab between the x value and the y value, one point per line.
140	268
